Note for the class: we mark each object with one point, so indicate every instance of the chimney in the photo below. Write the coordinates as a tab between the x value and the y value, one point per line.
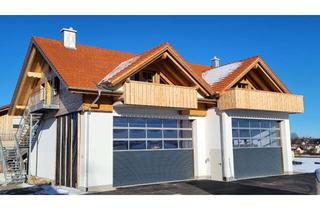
69	38
215	62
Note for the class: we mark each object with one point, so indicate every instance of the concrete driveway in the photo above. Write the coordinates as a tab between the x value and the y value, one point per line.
300	184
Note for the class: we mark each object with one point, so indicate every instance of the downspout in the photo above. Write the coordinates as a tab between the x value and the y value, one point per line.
87	138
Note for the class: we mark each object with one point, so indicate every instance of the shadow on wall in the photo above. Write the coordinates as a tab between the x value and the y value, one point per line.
44	125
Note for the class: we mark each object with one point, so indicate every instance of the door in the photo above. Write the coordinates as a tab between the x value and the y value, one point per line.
256	148
216	164
151	150
48	92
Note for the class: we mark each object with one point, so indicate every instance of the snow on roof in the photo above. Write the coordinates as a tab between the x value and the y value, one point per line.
119	68
215	75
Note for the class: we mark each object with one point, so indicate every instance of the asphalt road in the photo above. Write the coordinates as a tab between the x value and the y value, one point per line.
300	184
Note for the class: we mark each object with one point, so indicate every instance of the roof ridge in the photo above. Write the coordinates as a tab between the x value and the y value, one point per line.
85	45
244	59
127	63
120	51
154	48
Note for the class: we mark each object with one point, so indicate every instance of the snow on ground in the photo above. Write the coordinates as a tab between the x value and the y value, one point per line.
215	75
308	164
26	189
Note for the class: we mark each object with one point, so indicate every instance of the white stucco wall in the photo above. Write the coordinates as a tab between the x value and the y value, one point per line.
213	148
201	159
207	146
286	146
43	154
96	157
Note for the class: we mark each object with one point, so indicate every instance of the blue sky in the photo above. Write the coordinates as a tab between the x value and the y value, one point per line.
289	44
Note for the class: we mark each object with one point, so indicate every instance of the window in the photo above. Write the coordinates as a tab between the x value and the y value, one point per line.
170	144
255	133
147	76
154	144
143	76
151	134
56	86
137	144
120	133
120	145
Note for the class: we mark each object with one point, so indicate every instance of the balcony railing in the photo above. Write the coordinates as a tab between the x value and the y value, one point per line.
260	100
42	100
151	94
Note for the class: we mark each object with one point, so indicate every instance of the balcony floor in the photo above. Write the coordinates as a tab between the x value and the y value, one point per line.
39	108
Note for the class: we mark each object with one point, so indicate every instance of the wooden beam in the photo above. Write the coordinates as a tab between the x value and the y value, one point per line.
258	80
21	107
267	75
97	107
36	75
164	56
194	112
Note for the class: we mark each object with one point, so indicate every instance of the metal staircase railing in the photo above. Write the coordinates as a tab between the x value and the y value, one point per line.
15	146
11	159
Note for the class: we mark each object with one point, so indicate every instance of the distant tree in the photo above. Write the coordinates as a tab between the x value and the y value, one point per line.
295	139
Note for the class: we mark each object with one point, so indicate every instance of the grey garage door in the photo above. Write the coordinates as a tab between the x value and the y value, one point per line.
149	150
256	148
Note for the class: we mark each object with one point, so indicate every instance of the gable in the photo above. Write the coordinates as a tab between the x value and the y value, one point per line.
252	72
258	79
165	63
34	76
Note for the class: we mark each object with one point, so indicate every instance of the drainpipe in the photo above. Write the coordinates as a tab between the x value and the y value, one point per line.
87	138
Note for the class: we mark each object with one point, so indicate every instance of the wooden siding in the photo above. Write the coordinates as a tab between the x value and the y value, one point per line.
68	102
6	124
150	94
260	100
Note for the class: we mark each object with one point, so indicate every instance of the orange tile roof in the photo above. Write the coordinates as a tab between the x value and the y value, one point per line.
83	67
4	108
141	58
224	82
87	66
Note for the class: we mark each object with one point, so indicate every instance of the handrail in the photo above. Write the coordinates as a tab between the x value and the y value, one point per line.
41	96
4	164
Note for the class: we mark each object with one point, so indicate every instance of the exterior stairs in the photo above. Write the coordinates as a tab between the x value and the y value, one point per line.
13	147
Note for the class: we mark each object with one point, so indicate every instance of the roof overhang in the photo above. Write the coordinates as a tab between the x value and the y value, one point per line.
165	52
259	63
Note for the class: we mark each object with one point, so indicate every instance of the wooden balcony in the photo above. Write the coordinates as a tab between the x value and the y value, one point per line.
260	100
42	101
151	94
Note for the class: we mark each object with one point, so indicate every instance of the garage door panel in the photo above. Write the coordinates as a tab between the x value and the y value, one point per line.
255	162
257	148
149	150
140	167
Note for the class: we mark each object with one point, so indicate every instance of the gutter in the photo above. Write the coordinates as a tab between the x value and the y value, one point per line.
95	91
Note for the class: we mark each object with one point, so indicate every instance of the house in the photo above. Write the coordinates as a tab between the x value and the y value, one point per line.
98	119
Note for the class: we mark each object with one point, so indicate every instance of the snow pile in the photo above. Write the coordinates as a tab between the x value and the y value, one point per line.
26	189
217	74
119	68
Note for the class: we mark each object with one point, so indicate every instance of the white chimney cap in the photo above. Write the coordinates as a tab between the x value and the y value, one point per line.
68	29
69	37
215	62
